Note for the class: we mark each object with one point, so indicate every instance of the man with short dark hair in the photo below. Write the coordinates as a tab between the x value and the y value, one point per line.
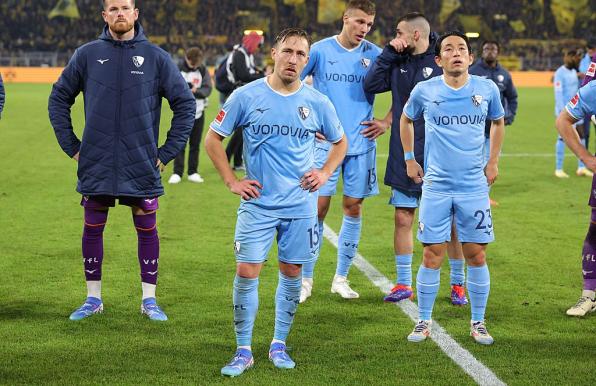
455	107
280	116
123	79
407	60
2	96
198	78
489	68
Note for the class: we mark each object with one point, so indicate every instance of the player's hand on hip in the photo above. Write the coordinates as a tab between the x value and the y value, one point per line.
314	179
160	165
246	189
76	157
320	137
398	44
415	171
375	128
491	171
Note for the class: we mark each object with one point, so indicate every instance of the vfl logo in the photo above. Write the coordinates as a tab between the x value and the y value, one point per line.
138	61
574	100
102	61
500	78
421	226
365	62
237	246
332	62
220	116
426	71
304	112
477	100
262	110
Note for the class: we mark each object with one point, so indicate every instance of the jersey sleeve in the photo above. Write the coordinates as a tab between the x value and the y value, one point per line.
309	69
229	116
495	107
579	106
331	126
414	107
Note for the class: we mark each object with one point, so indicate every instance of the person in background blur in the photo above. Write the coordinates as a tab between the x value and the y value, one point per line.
199	80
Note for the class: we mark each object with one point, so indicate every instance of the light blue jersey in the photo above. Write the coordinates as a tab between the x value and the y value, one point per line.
454	132
584	102
339	73
566	85
279	135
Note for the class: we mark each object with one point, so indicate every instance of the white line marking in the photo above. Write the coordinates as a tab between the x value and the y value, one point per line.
462	357
513	155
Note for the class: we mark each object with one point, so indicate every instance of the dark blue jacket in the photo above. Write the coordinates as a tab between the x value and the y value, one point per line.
1	95
502	79
400	73
123	83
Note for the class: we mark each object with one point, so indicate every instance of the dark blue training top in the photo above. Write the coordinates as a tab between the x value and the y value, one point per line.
123	83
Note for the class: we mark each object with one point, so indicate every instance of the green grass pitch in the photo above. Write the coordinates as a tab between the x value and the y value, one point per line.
535	275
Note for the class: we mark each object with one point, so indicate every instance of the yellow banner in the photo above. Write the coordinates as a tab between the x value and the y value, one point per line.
65	8
330	11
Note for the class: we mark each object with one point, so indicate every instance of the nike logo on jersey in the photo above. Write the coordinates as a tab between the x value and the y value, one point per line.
102	61
262	110
332	62
402	70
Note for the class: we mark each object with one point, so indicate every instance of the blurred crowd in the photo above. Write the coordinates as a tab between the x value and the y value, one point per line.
527	29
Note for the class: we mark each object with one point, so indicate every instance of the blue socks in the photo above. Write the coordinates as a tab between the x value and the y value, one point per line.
286	302
403	266
559	153
349	237
246	304
427	287
456	274
308	269
478	289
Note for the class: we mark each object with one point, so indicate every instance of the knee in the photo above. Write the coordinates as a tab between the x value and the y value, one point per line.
403	219
353	209
145	223
95	220
430	259
476	258
290	270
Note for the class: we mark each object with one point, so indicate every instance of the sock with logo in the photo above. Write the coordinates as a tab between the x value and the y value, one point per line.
148	246
589	256
427	287
286	302
246	304
92	242
349	237
308	269
559	153
403	266
456	271
478	289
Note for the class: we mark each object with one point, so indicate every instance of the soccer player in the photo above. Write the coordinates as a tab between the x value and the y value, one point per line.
490	68
583	103
338	65
279	116
456	179
566	85
123	79
407	60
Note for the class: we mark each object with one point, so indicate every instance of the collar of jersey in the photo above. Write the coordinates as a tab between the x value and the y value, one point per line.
278	93
456	89
336	37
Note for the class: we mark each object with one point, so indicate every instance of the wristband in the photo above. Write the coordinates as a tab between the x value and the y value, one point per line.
408	155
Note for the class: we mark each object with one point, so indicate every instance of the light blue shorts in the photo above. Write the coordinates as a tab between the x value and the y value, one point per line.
359	174
470	213
404	199
296	238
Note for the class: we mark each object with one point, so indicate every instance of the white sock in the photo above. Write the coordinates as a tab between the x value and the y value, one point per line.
148	290
589	293
94	289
